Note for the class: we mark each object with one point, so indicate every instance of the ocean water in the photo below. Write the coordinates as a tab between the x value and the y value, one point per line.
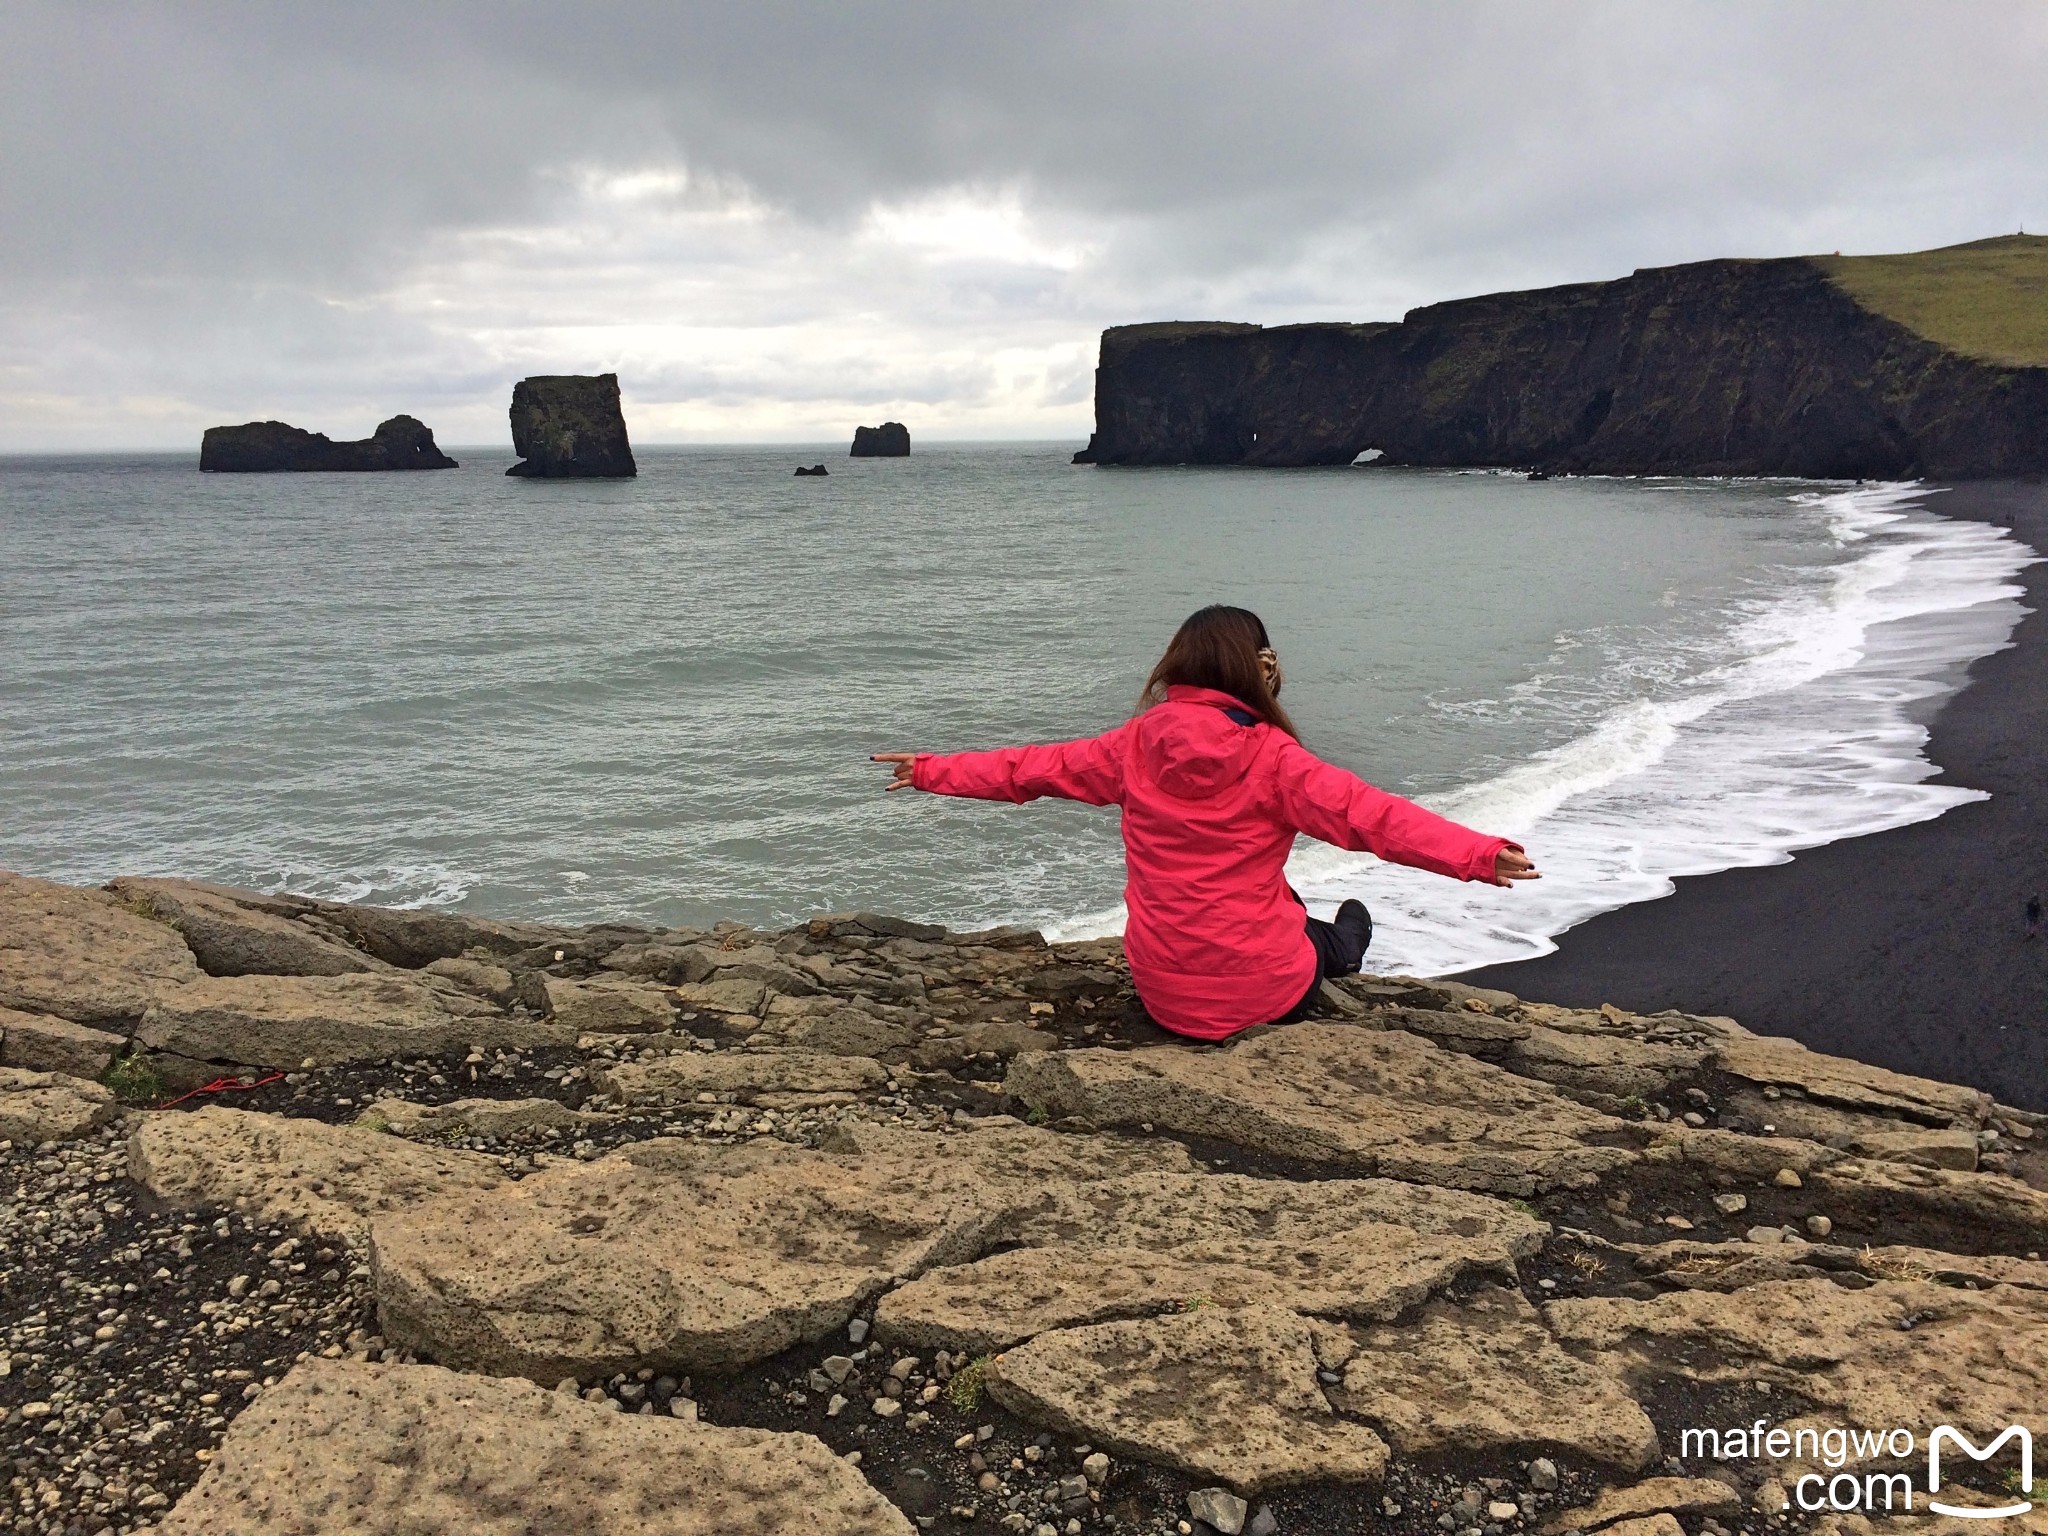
654	699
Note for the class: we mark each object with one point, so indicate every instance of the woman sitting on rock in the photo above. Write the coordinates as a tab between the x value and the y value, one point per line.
1214	785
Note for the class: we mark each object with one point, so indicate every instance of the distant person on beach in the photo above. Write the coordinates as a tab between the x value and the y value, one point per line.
1214	785
2034	916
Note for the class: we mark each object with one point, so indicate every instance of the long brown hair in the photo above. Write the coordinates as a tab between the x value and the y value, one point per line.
1218	647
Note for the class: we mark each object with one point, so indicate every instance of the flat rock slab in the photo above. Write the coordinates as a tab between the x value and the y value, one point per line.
417	937
493	983
340	1448
837	1028
40	1042
1367	1271
1230	1397
620	1264
82	955
1646	1525
762	963
753	1077
1728	1152
1698	1266
36	1107
736	996
1103	1244
1982	1209
1900	1262
1376	1101
1766	1059
1880	1355
1925	1147
1162	1210
612	1007
328	1180
269	1021
1652	1496
1037	1171
1484	1377
474	1117
247	937
996	1038
1601	1063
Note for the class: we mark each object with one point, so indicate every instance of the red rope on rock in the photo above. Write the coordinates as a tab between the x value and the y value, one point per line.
224	1085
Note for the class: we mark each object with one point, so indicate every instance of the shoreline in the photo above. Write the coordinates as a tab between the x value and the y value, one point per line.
1902	948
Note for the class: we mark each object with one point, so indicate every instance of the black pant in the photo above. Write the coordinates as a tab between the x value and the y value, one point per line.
1340	951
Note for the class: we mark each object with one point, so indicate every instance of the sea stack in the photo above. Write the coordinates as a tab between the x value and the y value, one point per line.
264	447
891	440
569	426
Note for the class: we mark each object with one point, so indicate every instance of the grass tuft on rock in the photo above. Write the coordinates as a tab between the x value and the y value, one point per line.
141	907
965	1389
134	1080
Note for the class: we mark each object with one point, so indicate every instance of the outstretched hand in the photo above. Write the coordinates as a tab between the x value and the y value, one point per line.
1511	864
906	765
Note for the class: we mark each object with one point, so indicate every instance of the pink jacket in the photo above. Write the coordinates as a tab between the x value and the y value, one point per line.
1215	939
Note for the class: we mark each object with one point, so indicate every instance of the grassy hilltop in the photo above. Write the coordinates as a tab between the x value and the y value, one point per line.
1987	299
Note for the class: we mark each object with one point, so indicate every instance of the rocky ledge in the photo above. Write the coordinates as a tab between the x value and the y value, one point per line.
321	1218
264	446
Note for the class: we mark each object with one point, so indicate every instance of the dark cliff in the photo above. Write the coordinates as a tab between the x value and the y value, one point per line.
1935	364
268	446
891	440
569	426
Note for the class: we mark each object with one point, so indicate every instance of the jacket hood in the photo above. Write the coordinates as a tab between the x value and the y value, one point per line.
1191	748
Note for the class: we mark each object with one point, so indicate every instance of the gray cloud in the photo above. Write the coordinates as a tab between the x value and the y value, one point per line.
769	216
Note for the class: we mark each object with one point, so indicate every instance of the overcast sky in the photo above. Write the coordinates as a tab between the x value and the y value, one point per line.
777	220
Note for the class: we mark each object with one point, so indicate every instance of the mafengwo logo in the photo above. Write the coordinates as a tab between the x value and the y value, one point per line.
1944	1434
1865	1491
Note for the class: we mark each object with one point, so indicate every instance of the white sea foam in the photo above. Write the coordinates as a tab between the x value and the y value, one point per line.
403	886
1804	727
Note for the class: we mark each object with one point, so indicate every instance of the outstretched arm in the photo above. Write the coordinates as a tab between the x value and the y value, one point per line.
1090	770
1324	801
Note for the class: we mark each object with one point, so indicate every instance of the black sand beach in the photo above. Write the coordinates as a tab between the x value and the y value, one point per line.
1904	948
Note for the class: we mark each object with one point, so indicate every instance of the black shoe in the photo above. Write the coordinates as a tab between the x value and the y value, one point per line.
1355	923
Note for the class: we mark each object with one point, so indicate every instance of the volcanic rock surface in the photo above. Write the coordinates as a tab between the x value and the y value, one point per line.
627	1228
261	446
391	1450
